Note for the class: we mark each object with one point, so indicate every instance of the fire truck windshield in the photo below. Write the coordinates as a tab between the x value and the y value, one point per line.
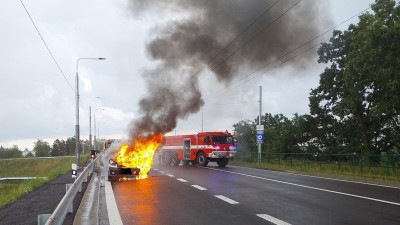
222	139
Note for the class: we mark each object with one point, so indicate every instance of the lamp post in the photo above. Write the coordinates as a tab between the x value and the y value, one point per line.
77	138
90	127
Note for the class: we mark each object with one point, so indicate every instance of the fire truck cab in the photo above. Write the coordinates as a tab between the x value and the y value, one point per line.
198	149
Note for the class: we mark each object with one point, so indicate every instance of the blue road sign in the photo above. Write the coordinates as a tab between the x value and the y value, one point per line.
260	136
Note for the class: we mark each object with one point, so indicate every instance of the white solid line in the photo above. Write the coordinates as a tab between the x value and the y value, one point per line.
170	175
272	219
348	181
327	178
230	201
182	180
113	214
314	188
199	187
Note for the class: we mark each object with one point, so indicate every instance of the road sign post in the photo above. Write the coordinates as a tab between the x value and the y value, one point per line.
259	139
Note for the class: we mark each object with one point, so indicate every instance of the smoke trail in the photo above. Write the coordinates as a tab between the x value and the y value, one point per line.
183	46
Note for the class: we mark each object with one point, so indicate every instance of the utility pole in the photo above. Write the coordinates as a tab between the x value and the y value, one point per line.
90	126
77	137
260	128
94	140
201	119
77	130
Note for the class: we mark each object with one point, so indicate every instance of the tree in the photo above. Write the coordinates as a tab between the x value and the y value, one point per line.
356	102
70	146
29	155
273	129
8	153
244	132
58	148
42	148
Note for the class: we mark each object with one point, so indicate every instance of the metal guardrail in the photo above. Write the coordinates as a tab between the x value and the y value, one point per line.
65	205
20	178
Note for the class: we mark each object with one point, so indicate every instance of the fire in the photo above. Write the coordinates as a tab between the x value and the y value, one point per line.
140	154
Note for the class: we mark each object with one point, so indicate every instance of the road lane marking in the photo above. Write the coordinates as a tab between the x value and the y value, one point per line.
113	214
182	180
161	171
155	169
228	200
348	181
272	219
170	175
309	187
199	187
328	178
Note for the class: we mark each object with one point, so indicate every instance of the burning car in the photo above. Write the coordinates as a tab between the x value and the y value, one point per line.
133	160
118	172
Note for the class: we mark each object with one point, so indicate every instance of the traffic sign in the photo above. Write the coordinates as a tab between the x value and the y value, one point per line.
260	136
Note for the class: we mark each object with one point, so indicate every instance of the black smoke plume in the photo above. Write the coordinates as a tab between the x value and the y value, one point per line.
186	43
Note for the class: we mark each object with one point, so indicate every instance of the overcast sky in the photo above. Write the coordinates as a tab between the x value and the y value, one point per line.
37	102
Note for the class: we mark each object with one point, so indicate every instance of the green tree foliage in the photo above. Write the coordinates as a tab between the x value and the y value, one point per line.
282	135
42	148
244	132
8	153
58	148
356	105
29	155
70	146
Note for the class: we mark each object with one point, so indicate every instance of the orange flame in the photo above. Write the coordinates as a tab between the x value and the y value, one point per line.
140	154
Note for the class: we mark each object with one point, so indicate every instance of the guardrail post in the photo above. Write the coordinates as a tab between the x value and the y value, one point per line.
279	157
361	164
85	178
42	219
291	160
80	186
70	208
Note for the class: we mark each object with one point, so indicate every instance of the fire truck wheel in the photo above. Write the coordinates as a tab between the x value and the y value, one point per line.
174	159
222	162
167	159
201	159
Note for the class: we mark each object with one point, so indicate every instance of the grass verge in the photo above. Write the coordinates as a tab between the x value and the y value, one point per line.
31	167
371	174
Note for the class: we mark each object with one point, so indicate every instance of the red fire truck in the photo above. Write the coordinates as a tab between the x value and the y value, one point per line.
198	149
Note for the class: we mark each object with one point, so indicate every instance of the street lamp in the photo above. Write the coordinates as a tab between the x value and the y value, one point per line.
90	124
77	138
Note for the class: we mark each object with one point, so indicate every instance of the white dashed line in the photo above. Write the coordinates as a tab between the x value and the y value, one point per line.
272	219
170	175
161	171
182	180
199	187
228	200
155	169
310	187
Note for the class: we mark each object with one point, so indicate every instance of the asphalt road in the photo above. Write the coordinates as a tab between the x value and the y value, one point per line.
237	195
